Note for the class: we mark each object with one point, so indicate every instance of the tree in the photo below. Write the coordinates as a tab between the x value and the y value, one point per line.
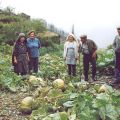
9	10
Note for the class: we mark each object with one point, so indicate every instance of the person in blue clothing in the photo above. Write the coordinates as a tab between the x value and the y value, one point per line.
33	44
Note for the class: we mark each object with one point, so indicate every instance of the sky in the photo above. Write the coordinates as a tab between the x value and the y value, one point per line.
97	19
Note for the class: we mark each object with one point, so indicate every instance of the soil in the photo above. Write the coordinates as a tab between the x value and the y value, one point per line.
9	105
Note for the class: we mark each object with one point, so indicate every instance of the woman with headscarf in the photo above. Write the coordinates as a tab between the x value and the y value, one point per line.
20	56
71	54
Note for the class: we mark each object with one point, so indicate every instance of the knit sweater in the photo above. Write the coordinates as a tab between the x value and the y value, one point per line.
33	46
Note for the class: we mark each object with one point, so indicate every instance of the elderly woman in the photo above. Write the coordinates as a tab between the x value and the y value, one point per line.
20	56
71	53
33	44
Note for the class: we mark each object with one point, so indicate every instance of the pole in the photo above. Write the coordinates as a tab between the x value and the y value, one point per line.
73	29
80	72
80	67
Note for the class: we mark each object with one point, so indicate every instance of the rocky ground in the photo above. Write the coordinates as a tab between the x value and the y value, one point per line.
9	105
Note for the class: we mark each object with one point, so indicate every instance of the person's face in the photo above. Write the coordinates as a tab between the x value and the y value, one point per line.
70	38
83	40
118	30
22	39
32	35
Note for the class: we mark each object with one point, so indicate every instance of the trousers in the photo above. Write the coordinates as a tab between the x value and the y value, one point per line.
87	58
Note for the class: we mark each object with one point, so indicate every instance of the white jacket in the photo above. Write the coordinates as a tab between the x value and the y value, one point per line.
66	45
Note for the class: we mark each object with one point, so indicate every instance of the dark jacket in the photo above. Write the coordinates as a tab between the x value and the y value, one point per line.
20	52
92	47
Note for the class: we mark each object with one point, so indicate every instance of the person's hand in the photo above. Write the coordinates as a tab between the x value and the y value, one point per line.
76	58
28	59
64	58
94	55
15	61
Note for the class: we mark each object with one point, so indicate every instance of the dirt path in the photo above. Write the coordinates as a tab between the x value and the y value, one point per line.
9	104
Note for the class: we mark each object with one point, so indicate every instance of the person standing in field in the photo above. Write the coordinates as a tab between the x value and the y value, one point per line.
71	54
20	56
88	49
33	44
116	47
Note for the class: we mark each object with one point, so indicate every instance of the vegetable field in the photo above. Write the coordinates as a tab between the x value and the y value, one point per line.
53	95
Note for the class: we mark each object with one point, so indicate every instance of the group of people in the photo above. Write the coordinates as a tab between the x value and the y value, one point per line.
72	50
25	57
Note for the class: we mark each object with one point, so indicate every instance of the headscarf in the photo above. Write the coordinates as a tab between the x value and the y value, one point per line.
70	34
20	36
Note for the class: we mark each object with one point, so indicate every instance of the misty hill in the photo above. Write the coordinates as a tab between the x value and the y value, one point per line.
12	24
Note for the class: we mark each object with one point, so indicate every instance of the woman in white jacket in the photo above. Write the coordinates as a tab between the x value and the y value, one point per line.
71	54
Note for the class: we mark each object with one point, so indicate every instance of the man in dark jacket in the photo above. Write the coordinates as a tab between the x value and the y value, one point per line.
116	47
88	49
